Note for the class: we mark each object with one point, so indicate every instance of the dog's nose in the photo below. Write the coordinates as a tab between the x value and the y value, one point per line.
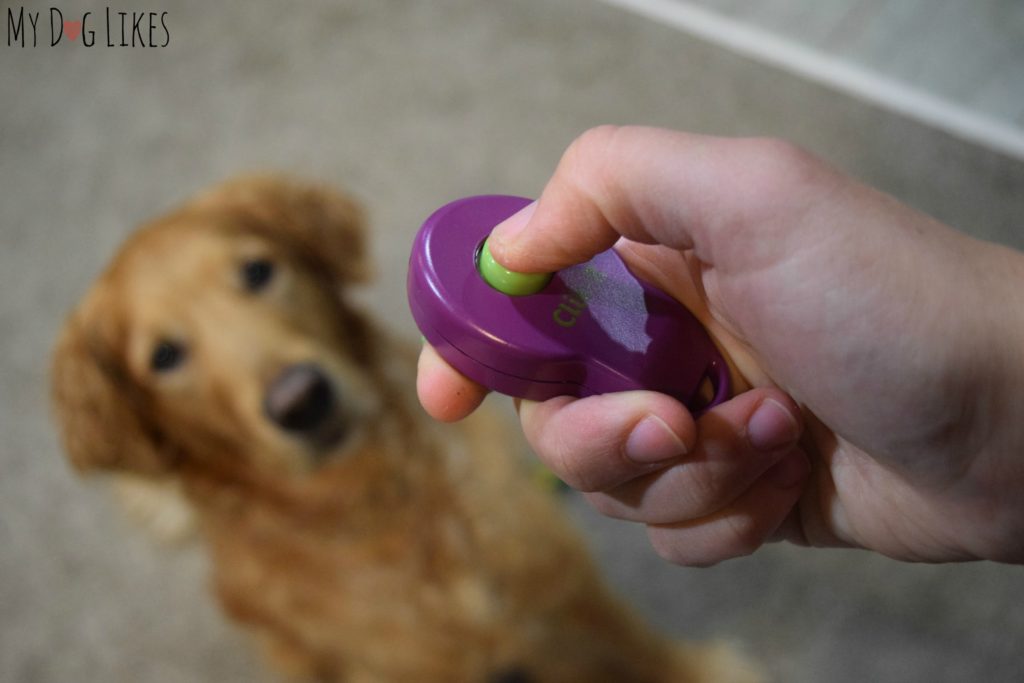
515	674
299	399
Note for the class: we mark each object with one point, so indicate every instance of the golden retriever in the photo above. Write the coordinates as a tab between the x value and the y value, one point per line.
219	356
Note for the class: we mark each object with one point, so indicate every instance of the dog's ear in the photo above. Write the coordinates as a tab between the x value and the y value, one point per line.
93	404
323	225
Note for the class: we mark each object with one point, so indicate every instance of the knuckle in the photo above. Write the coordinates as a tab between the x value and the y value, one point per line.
666	545
744	535
564	461
780	165
582	448
585	163
780	155
670	544
701	490
592	140
606	505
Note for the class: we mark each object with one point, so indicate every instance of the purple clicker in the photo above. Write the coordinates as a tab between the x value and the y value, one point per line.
593	329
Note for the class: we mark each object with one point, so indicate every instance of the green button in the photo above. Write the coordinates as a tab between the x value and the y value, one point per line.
507	281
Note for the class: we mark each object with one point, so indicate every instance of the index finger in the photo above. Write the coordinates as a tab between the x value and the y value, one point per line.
445	394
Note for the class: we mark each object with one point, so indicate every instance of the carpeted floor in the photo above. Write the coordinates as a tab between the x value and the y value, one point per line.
410	105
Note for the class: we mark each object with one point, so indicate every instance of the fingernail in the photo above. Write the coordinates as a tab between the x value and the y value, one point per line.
653	441
772	426
506	232
791	471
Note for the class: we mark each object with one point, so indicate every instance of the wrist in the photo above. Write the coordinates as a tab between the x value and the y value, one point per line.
992	443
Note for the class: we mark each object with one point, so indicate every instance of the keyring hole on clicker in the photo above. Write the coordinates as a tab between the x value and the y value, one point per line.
704	395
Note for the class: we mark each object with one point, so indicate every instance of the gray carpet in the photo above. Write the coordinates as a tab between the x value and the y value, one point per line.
410	105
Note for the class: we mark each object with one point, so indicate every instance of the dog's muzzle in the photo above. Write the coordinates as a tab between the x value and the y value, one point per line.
300	400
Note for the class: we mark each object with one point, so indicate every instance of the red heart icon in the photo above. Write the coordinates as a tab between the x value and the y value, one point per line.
72	29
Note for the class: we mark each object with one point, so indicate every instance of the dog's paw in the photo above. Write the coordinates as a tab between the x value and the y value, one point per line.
160	507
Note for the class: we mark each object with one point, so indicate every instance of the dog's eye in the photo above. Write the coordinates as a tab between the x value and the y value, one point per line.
256	274
167	356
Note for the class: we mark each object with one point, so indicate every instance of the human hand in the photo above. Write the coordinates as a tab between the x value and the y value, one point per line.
899	338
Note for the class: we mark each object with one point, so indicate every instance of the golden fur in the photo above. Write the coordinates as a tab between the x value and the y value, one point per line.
380	548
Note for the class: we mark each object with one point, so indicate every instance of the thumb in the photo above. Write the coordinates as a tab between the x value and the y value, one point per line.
648	185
